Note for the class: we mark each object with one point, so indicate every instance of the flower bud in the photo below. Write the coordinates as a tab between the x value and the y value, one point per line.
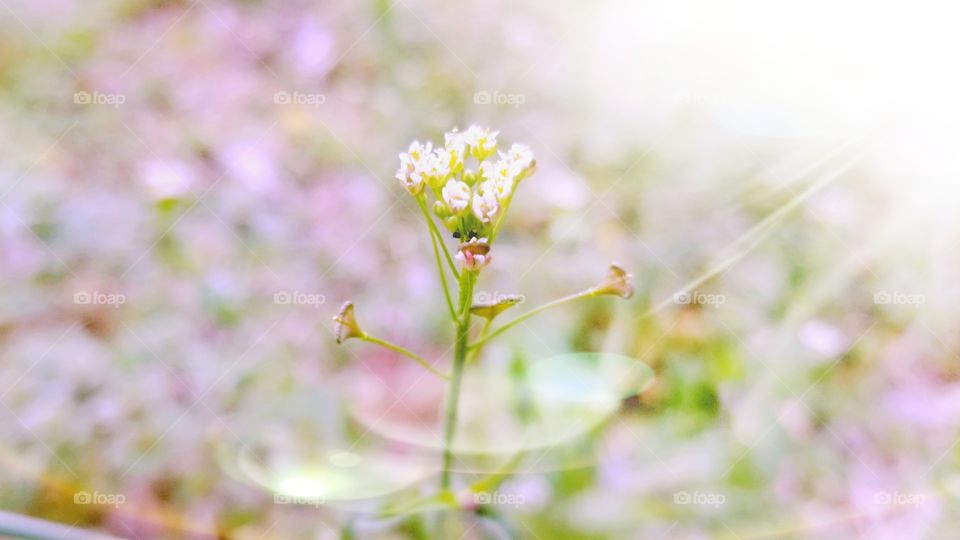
441	210
474	254
616	283
489	310
346	325
471	177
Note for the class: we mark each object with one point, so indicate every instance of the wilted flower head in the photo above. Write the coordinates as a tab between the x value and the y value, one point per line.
618	282
489	310
345	324
474	254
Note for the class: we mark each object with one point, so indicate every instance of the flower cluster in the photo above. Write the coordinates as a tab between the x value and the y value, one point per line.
472	183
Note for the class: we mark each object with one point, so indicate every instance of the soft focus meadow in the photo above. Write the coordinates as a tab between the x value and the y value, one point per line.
190	189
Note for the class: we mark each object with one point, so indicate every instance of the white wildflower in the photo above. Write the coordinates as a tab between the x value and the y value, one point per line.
435	168
456	195
455	149
499	178
520	160
481	141
485	203
410	173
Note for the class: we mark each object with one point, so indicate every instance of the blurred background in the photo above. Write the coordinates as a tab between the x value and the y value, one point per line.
190	189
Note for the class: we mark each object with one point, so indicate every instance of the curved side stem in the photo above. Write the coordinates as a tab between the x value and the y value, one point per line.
443	279
434	240
480	341
409	354
435	233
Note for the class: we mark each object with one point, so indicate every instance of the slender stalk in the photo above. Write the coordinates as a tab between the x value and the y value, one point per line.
446	252
409	354
435	232
443	279
450	407
503	212
480	341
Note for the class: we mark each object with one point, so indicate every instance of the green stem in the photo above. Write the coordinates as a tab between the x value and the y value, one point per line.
446	252
480	341
450	407
409	354
443	279
435	232
503	212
